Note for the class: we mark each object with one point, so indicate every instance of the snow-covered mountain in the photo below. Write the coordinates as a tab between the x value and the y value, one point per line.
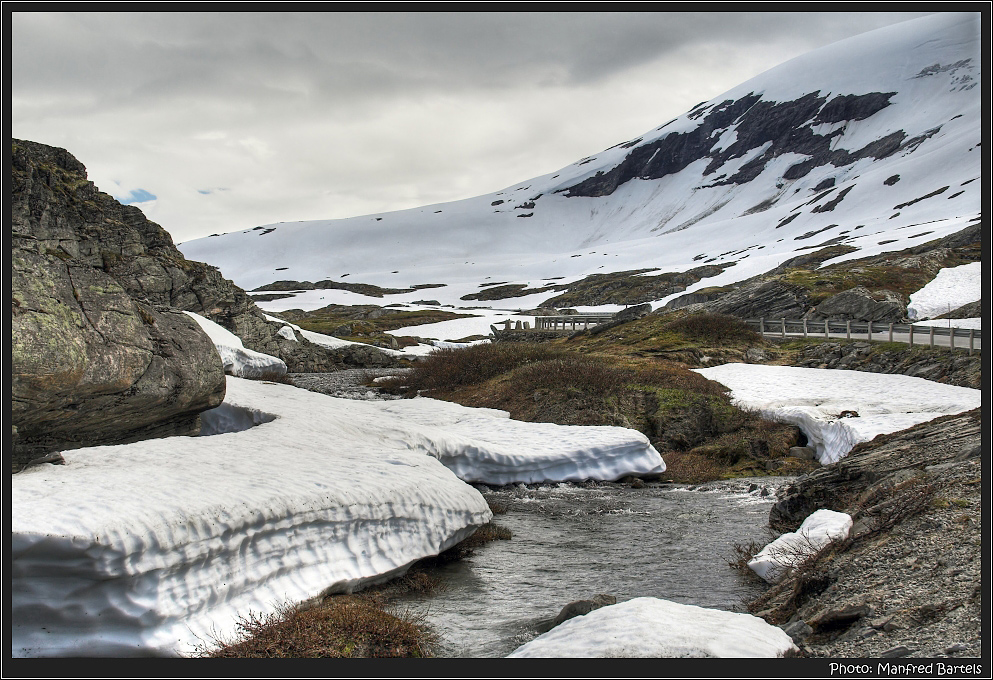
872	142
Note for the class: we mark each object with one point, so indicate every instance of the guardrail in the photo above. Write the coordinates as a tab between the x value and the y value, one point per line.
570	321
807	327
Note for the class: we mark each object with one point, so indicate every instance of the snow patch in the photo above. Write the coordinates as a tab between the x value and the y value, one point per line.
788	551
649	627
238	360
951	288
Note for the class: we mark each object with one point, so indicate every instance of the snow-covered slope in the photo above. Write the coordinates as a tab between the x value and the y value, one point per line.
872	142
236	358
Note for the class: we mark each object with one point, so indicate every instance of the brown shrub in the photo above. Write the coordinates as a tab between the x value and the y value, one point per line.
589	375
449	368
346	626
713	329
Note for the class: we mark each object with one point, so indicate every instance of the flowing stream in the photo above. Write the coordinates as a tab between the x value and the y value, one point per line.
571	542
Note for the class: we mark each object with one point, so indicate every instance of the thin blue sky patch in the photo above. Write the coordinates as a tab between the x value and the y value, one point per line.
138	196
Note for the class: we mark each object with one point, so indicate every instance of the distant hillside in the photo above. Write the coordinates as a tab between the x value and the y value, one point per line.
871	145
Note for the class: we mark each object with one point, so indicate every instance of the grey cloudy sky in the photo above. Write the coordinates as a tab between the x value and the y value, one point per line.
232	120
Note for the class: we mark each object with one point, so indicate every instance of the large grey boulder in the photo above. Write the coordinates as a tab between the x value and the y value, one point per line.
858	304
574	609
90	365
763	299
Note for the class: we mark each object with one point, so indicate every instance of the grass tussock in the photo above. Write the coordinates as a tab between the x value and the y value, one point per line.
485	534
341	627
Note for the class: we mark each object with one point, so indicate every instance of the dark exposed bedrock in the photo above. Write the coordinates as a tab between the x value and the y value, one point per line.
785	126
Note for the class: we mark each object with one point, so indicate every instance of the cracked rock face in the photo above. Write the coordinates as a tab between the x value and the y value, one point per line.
92	363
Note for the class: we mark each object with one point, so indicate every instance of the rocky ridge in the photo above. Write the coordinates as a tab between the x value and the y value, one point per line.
953	368
908	581
875	288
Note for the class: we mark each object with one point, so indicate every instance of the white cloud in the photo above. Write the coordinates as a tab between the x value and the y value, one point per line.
310	116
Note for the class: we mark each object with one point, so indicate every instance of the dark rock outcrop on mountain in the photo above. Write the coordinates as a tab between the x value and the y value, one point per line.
763	299
787	127
858	304
67	215
874	288
90	362
629	287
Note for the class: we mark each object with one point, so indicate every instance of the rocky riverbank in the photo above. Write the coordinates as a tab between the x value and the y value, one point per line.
908	581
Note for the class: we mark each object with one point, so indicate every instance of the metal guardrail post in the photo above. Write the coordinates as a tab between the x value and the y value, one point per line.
972	340
951	339
870	331
931	337
848	329
911	331
784	329
762	326
891	332
805	328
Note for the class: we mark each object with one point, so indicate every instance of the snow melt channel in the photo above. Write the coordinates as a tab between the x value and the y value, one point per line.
814	400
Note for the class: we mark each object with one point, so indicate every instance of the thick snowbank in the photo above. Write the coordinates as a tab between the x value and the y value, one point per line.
484	445
776	559
651	627
238	360
148	548
949	290
813	400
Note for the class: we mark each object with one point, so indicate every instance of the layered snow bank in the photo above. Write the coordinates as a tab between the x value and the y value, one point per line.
651	627
238	360
150	548
778	558
814	399
949	290
484	445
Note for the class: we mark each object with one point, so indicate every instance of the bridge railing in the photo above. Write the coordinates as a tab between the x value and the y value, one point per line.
570	321
874	330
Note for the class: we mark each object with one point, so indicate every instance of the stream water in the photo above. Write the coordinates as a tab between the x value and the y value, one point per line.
573	541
